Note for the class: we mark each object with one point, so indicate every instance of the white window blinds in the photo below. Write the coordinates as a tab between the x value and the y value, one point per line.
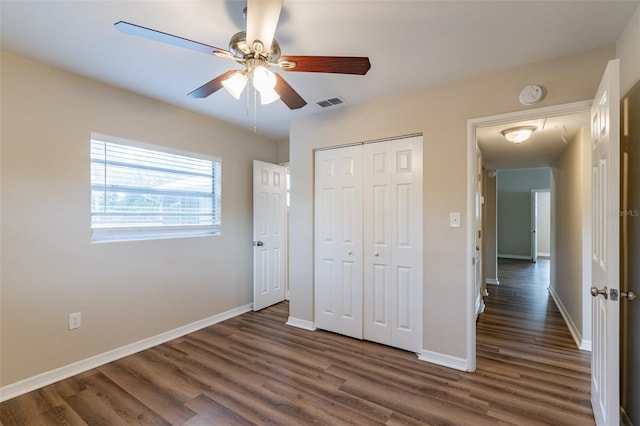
139	193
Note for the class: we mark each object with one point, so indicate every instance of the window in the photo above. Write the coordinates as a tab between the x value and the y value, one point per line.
140	193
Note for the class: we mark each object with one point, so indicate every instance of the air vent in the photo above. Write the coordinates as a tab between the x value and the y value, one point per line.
331	102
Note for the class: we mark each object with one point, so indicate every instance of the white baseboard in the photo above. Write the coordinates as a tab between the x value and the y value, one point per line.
444	360
300	323
479	307
585	345
43	379
575	333
494	281
544	255
514	256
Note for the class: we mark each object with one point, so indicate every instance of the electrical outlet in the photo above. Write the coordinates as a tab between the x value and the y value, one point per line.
75	320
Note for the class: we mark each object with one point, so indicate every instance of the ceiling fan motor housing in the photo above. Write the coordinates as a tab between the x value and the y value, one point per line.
240	48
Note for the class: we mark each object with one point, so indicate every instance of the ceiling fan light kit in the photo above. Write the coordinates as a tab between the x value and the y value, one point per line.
236	83
518	134
256	56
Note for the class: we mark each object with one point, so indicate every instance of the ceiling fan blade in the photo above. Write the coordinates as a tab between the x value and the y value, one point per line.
288	95
148	33
262	20
328	64
212	86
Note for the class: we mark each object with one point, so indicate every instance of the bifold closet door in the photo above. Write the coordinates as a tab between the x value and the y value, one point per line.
368	242
393	243
338	240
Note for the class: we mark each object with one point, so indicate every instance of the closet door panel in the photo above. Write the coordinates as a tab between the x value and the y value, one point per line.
406	253
338	241
377	243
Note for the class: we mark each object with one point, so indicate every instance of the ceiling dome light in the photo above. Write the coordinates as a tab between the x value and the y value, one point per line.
518	134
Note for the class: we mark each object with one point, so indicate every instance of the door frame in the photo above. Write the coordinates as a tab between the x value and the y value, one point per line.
274	275
472	182
534	221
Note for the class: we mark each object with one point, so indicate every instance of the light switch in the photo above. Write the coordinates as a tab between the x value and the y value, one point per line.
454	219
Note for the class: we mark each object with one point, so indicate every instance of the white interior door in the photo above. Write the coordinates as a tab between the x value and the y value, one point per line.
477	259
338	240
605	133
393	243
269	234
534	226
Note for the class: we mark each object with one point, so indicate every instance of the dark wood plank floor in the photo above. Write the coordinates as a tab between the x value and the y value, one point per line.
253	369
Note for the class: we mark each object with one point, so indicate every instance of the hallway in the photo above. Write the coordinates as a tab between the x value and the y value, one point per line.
524	343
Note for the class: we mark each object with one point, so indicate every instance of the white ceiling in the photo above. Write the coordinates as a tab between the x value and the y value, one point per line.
540	150
410	44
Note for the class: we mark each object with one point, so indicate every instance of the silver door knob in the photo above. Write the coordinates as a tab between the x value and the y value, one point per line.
258	243
349	252
630	295
376	254
595	292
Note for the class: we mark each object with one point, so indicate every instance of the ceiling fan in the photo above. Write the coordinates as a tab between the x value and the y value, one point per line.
257	50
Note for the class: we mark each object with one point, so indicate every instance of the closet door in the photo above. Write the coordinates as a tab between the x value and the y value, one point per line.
393	243
338	240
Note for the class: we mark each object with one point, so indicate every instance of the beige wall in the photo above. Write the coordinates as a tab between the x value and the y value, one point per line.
514	209
440	114
126	291
283	151
571	230
628	50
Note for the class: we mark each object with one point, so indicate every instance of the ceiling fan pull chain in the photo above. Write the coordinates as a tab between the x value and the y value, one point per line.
255	109
248	96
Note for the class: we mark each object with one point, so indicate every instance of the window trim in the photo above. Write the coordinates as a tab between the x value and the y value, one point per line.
154	232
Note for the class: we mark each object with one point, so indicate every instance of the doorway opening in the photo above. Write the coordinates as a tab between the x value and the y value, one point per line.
541	224
499	156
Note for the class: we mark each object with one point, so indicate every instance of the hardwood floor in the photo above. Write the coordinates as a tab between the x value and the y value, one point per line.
253	369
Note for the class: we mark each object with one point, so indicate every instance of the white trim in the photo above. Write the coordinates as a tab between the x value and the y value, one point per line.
300	323
544	255
101	137
575	333
479	306
513	256
471	313
48	377
391	138
531	114
493	281
444	360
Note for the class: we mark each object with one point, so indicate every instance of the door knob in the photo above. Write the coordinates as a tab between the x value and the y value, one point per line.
376	254
349	252
595	292
258	243
631	295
